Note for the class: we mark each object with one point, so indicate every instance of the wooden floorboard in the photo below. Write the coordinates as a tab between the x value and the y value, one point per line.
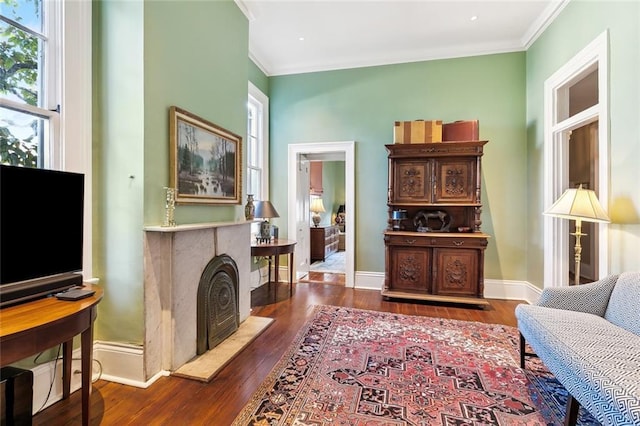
173	400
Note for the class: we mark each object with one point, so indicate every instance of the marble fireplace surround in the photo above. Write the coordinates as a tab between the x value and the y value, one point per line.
174	258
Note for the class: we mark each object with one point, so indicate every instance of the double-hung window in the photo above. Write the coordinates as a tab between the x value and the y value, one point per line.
29	74
258	144
45	90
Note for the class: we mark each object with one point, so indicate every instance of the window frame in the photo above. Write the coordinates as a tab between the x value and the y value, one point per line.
67	101
256	96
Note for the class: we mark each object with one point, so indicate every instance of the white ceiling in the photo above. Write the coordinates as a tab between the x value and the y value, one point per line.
354	33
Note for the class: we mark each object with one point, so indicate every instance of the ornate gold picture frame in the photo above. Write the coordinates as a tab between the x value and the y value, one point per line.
205	160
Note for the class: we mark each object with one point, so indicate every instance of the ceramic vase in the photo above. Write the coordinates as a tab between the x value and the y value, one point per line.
249	208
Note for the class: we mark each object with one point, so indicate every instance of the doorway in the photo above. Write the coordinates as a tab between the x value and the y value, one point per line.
327	239
299	200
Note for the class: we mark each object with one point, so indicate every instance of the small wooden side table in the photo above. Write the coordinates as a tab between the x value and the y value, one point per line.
32	327
275	248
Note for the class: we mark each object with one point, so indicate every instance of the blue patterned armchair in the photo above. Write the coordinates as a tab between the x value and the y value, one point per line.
589	338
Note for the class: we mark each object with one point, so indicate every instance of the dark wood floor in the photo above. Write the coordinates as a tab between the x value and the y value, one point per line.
323	277
179	401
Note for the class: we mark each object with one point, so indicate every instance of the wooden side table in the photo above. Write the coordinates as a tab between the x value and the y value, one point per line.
276	248
35	326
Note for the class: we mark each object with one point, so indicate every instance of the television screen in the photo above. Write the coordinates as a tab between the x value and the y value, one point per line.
41	229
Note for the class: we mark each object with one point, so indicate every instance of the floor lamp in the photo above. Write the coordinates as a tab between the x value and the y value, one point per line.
580	205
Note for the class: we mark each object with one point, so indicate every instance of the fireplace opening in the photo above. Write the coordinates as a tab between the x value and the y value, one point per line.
218	314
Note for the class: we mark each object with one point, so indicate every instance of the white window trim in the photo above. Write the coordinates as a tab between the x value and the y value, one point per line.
259	96
76	113
556	174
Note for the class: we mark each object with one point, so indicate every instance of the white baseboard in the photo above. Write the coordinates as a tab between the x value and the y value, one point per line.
49	376
369	280
511	290
256	279
493	289
123	363
111	361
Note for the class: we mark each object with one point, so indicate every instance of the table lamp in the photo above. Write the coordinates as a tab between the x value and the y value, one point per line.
317	207
578	204
265	210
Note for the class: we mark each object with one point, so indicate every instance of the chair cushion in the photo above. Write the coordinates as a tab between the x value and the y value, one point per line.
623	309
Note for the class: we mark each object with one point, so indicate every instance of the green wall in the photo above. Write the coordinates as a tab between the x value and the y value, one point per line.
118	167
149	56
579	24
362	104
258	78
333	189
333	178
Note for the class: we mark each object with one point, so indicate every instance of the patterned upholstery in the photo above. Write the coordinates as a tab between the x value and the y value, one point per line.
624	306
591	298
595	356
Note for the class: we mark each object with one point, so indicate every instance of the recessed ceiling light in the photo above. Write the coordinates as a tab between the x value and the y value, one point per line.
474	18
301	38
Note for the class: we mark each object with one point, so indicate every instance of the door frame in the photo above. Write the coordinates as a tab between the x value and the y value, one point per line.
556	161
295	155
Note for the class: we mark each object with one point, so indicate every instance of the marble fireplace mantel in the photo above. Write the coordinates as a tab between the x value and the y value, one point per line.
174	258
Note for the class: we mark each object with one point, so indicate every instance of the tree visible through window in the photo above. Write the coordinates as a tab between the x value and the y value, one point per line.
26	68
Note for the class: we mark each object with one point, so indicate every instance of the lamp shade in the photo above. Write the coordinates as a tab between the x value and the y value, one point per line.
265	210
317	206
578	203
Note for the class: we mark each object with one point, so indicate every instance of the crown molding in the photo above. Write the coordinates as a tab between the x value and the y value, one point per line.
397	58
258	63
548	15
244	9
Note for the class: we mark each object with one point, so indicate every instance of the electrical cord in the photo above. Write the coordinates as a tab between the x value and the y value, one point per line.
55	369
94	360
53	378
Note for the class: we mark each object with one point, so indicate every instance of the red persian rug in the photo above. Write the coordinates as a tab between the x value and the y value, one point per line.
356	367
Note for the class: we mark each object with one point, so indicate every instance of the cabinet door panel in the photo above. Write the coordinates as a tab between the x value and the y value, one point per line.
412	180
456	272
455	181
410	269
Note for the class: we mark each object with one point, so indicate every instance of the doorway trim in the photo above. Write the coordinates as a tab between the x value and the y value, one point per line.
556	150
296	152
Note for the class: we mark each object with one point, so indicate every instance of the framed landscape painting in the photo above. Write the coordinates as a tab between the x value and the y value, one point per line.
204	159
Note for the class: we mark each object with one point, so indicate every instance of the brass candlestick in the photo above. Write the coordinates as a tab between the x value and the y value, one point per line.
169	206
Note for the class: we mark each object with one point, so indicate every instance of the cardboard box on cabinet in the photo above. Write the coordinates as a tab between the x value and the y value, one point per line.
417	131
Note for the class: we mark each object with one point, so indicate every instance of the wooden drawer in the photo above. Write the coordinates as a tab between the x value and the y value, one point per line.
436	240
408	240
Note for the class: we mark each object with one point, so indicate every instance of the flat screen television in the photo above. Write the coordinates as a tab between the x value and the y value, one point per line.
41	229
